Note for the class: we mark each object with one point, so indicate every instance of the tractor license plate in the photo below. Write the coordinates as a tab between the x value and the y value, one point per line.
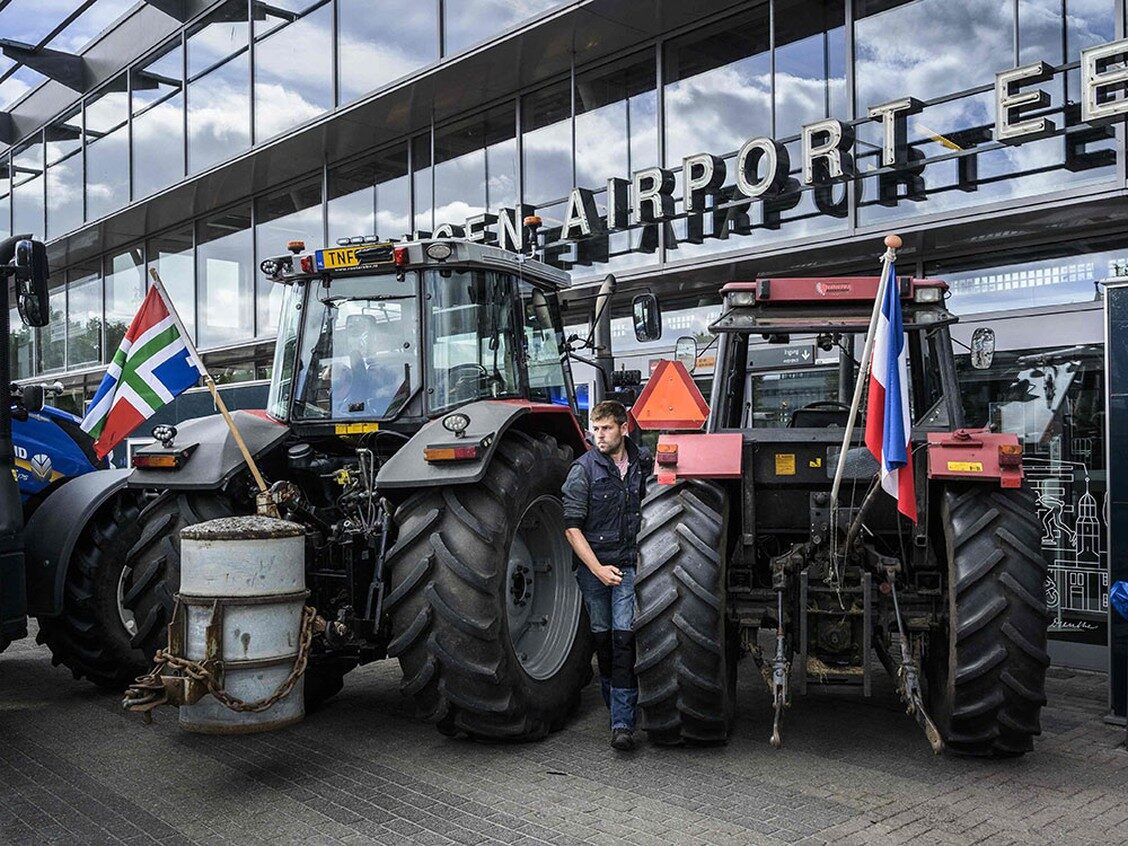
342	258
336	258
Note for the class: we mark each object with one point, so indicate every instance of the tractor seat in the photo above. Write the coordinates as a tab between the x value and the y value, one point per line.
820	415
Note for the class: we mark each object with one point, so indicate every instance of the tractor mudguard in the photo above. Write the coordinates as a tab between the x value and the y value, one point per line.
54	529
976	455
215	457
489	420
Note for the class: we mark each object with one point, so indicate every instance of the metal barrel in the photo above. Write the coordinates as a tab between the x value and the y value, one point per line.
244	577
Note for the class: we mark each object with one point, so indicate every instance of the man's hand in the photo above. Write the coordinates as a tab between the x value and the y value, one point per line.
607	574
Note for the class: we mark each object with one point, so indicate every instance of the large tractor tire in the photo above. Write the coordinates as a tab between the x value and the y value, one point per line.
987	680
154	560
487	619
686	658
93	635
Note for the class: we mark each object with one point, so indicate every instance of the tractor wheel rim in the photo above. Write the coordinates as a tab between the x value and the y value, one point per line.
128	621
542	599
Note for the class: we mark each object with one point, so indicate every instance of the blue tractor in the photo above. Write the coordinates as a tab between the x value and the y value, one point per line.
77	600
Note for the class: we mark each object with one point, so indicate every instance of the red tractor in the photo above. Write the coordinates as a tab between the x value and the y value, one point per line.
741	537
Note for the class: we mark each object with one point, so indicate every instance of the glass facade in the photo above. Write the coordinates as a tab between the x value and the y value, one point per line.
234	78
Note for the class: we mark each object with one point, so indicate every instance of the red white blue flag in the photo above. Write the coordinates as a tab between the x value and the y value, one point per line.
888	422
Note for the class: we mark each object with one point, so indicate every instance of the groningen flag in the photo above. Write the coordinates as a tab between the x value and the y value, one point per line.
154	363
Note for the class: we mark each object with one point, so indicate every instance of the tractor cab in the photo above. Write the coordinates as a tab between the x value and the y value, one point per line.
391	333
818	316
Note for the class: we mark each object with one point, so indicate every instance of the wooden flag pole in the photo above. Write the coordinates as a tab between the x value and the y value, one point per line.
219	403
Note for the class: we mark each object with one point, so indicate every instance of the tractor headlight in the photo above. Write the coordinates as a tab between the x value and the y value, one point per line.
439	251
928	295
456	423
742	298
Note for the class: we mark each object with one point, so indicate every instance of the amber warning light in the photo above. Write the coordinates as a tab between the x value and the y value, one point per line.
670	400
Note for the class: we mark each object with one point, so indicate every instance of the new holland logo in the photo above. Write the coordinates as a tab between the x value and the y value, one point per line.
41	466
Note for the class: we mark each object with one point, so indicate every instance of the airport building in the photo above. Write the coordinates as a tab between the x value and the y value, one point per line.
676	145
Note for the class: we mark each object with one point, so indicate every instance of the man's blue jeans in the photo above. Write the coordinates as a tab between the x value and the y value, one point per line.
611	612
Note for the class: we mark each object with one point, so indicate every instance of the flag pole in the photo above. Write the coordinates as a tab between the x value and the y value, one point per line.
892	244
198	362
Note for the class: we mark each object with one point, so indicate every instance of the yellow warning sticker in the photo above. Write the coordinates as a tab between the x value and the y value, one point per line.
815	463
785	463
356	428
965	467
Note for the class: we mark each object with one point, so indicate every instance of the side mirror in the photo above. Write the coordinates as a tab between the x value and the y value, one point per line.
32	397
982	348
685	351
31	283
647	318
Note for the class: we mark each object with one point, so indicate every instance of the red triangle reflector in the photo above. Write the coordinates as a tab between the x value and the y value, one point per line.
670	400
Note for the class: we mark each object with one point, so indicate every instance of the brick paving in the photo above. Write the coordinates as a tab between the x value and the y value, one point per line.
75	768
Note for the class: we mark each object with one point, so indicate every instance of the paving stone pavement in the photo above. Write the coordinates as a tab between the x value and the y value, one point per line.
75	768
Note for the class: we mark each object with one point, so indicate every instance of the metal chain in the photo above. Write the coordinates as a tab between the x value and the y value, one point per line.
149	691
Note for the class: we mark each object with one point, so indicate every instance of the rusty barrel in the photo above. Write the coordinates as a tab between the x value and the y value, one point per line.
244	578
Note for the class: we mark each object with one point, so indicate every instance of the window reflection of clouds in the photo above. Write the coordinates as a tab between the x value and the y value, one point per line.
293	86
124	290
224	278
718	87
465	153
64	174
375	49
27	187
292	214
810	63
370	197
468	22
84	317
158	123
219	114
222	33
547	125
171	255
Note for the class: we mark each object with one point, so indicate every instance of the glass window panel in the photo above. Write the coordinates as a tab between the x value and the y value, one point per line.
294	73
27	187
1041	27
810	56
374	49
82	31
171	255
158	123
158	79
107	150
370	197
468	22
292	214
221	34
225	278
464	153
84	317
718	91
271	16
158	146
610	102
422	184
20	349
52	342
125	289
64	174
546	121
219	120
1067	275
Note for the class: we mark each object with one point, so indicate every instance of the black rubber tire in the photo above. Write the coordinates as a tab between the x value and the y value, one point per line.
987	681
154	559
89	637
686	660
447	601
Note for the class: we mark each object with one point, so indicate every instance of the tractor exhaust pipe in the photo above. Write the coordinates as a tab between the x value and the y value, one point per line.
601	339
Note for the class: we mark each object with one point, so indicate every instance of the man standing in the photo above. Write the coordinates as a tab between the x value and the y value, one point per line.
602	515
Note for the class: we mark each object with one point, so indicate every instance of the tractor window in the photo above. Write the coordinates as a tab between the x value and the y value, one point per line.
285	352
544	347
359	355
471	337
